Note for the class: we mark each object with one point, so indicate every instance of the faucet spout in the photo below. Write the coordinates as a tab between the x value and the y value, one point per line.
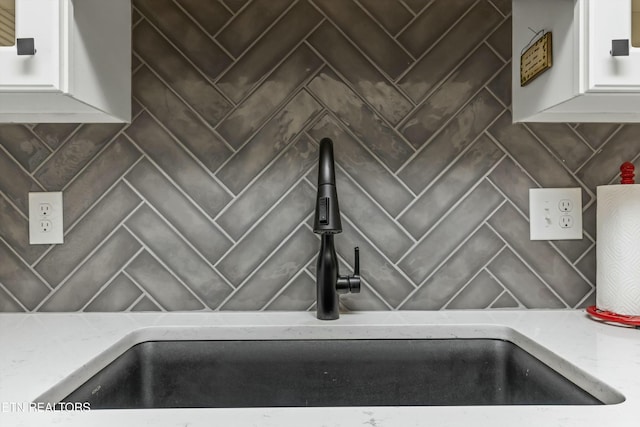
329	282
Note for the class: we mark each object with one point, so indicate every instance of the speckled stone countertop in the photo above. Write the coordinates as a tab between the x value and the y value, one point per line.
39	351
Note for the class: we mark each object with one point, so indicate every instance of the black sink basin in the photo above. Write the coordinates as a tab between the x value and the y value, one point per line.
289	373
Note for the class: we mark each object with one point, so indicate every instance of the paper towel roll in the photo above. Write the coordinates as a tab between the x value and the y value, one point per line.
618	249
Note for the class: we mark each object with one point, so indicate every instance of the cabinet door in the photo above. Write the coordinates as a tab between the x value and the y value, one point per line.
611	20
40	20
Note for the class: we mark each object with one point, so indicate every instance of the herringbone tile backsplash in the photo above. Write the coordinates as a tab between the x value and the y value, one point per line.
204	202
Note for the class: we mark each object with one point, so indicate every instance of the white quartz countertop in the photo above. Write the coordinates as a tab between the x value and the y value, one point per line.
38	351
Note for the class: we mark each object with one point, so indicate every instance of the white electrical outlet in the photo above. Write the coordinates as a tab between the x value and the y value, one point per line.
45	218
555	213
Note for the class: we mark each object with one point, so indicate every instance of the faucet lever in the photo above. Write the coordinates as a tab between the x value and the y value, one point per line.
356	266
351	284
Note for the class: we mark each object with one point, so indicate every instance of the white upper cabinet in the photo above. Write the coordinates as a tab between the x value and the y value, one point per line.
587	81
81	69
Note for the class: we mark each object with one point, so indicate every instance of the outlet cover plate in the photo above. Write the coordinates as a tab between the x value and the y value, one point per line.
45	208
550	209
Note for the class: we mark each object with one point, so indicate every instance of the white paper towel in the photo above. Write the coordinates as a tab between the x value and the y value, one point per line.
618	249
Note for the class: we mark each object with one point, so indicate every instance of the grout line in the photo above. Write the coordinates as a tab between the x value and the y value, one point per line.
166	176
31	268
265	260
13	297
450	255
17	164
137	300
172	227
14	206
144	293
102	196
113	277
165	266
529	268
283	288
472	278
57	149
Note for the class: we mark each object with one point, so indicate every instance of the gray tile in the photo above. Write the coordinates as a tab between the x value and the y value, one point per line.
505	301
199	230
15	184
522	283
275	45
234	5
463	38
54	134
179	257
174	69
456	272
383	232
545	260
431	24
587	265
500	86
165	289
451	187
192	42
145	304
417	5
479	293
270	95
28	150
452	95
541	165
389	13
269	142
513	182
369	37
88	234
605	166
365	300
275	273
103	264
298	295
385	188
180	120
249	24
247	209
99	176
596	133
573	249
14	229
18	279
381	139
56	173
211	15
117	296
456	137
447	235
500	40
258	244
503	5
589	301
8	304
176	163
375	270
368	82
563	141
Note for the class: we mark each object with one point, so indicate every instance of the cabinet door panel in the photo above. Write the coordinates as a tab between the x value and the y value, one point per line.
40	20
611	20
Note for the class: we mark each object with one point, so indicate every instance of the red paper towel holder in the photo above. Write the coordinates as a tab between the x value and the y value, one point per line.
610	316
626	177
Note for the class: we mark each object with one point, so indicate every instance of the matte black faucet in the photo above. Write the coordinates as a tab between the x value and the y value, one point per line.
329	283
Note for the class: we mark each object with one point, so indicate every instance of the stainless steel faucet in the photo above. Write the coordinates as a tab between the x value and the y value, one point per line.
329	283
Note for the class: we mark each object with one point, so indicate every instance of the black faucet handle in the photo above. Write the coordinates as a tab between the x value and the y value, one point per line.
351	284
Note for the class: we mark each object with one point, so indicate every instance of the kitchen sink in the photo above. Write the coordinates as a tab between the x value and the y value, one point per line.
326	372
